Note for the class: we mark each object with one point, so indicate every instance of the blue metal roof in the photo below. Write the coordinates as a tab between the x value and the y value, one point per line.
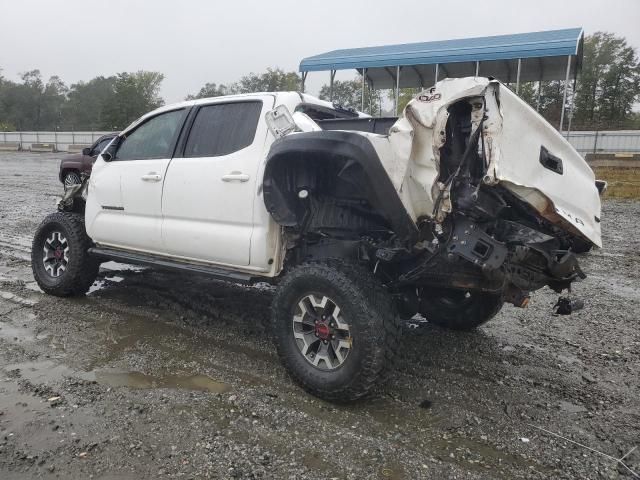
552	43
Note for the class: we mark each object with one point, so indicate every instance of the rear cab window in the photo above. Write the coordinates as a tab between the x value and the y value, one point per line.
223	128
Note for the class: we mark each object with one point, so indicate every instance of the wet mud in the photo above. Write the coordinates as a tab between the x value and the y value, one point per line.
162	375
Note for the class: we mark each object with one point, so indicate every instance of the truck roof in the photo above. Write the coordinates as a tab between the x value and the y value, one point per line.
290	99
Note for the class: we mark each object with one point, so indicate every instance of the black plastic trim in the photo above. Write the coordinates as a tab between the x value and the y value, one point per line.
549	161
373	178
380	125
162	262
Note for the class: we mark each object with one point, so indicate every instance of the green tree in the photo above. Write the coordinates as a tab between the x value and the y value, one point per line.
86	104
348	93
607	88
134	94
32	104
53	101
273	80
609	84
210	90
405	95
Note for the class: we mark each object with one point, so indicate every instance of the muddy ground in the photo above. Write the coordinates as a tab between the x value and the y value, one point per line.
157	374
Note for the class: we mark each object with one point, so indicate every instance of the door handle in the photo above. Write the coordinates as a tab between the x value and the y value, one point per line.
151	177
235	176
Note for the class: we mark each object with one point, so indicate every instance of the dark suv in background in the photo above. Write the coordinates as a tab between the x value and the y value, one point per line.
71	166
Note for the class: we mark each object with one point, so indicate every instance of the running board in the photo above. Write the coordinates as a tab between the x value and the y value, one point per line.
161	262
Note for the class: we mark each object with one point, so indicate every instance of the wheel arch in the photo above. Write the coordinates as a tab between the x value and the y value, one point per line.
296	161
68	169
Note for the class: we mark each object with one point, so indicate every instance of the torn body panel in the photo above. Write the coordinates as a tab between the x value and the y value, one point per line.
521	151
470	189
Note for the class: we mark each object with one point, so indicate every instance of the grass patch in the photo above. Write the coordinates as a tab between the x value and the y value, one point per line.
623	182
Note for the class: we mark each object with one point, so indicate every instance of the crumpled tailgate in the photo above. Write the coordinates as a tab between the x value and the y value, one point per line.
542	168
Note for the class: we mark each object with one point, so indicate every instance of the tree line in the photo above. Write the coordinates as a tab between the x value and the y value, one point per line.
102	103
605	96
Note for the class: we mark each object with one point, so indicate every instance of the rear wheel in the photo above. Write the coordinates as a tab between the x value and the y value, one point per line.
60	260
336	329
459	309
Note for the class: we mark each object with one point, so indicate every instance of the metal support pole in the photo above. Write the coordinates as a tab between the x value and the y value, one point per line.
436	74
20	136
573	96
538	103
477	68
518	76
364	73
397	97
331	77
304	79
564	96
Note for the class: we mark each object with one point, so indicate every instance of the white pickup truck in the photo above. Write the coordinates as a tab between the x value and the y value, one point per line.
467	201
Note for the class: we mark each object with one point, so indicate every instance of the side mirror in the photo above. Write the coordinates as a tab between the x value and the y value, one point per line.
106	156
86	151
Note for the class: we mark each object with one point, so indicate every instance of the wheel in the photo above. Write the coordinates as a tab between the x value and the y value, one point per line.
59	259
70	179
459	309
336	329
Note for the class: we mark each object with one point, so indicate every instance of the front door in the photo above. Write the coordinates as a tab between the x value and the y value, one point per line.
131	215
210	187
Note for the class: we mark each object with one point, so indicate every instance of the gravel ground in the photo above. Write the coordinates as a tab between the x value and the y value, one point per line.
157	374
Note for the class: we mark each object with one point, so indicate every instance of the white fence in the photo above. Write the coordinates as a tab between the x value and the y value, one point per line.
60	140
612	141
615	141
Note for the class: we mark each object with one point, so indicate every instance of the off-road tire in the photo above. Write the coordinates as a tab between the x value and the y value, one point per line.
449	308
81	270
373	321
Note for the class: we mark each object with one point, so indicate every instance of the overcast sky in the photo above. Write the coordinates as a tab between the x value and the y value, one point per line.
197	41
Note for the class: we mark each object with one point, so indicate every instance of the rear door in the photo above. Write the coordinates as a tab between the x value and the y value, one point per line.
131	214
211	184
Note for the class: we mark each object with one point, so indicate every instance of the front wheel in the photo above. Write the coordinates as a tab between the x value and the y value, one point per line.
70	179
336	329
60	259
459	309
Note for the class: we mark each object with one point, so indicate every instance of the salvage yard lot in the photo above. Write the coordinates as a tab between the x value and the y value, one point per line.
158	374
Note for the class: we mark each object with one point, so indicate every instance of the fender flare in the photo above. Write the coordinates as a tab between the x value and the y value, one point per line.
355	150
69	166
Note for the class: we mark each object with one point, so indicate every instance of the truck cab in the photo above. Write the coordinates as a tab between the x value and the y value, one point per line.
188	176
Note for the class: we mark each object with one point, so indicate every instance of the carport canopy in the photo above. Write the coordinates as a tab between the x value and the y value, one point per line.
520	57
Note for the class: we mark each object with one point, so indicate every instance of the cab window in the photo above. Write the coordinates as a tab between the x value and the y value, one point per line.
224	128
153	139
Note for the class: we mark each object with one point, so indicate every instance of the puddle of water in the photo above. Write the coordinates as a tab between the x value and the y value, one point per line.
12	297
12	333
48	371
102	284
618	287
121	267
200	383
